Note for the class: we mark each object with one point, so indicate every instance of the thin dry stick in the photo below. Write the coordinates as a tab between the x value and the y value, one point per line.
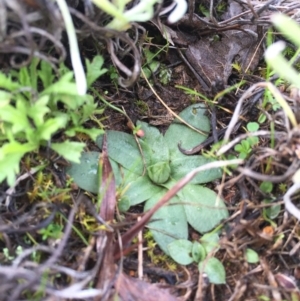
140	253
247	94
289	206
166	106
26	175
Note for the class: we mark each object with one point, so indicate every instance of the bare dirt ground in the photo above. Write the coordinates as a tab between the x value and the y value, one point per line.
207	51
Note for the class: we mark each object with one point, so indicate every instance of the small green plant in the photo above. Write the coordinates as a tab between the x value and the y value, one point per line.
185	252
245	147
152	164
269	213
35	105
19	251
152	65
203	10
53	230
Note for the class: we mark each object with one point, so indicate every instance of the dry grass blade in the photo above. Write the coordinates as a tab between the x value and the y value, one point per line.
104	241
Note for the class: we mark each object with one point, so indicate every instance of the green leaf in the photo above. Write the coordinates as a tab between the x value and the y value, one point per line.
65	85
246	145
252	126
203	208
182	166
94	69
210	242
69	150
214	269
266	186
180	133
24	78
239	148
180	250
271	212
33	73
252	256
10	156
140	190
252	140
51	126
123	149
85	173
7	83
123	204
198	252
38	110
153	144
16	116
159	173
45	74
93	133
168	223
5	97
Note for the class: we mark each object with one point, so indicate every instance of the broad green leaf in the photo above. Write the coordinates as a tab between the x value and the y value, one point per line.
140	190
94	69
153	144
203	208
198	252
180	167
214	269
151	133
69	150
168	223
252	126
180	250
123	149
123	204
85	173
252	256
180	133
159	173
266	186
210	242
